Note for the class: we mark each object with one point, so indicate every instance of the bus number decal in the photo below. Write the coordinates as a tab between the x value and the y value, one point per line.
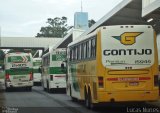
19	65
142	61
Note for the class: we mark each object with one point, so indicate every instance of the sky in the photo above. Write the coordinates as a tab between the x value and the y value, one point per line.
24	18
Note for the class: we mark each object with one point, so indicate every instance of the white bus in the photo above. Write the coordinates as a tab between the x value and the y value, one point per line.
54	70
37	62
18	70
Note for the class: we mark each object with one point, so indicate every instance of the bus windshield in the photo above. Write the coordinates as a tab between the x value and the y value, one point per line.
37	63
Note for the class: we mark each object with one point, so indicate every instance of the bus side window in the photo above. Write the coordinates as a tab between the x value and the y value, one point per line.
82	51
70	55
84	55
87	49
93	47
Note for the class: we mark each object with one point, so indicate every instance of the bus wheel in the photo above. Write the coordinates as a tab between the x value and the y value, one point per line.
45	89
86	99
29	88
72	98
48	89
7	89
90	104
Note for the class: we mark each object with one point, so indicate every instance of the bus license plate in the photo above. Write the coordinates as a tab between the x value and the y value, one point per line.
133	83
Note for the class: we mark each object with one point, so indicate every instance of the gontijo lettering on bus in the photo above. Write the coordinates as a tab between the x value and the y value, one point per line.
127	38
120	47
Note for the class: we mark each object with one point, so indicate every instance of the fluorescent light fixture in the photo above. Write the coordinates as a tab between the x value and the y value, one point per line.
149	20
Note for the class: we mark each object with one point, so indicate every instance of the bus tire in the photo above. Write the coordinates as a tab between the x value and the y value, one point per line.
48	89
90	104
45	89
72	98
86	99
29	88
7	89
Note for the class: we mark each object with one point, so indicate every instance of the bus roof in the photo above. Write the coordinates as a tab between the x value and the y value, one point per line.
17	53
83	38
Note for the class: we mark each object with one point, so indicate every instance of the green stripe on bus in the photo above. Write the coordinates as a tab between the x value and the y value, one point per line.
19	71
57	70
18	58
37	63
35	70
58	57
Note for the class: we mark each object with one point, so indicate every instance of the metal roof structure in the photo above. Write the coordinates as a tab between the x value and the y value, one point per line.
151	13
27	42
71	36
127	12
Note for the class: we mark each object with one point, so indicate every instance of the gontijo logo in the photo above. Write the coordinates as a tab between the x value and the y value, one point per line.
128	38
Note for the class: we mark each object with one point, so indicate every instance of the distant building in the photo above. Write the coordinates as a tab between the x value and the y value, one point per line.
81	20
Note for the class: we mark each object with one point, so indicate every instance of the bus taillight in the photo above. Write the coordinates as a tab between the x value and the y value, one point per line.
7	77
156	82
31	76
100	82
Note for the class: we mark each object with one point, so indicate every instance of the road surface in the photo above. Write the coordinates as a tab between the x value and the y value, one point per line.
39	101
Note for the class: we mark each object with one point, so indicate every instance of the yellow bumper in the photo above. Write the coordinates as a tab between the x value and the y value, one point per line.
128	96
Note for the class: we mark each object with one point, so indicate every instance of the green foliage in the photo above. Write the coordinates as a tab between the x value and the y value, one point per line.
91	22
57	28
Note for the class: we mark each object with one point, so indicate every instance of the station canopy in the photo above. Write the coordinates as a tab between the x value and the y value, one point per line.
128	12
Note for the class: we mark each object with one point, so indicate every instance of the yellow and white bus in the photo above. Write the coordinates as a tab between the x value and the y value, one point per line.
114	64
18	70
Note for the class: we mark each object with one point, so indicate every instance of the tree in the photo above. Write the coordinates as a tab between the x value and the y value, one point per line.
91	22
57	27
